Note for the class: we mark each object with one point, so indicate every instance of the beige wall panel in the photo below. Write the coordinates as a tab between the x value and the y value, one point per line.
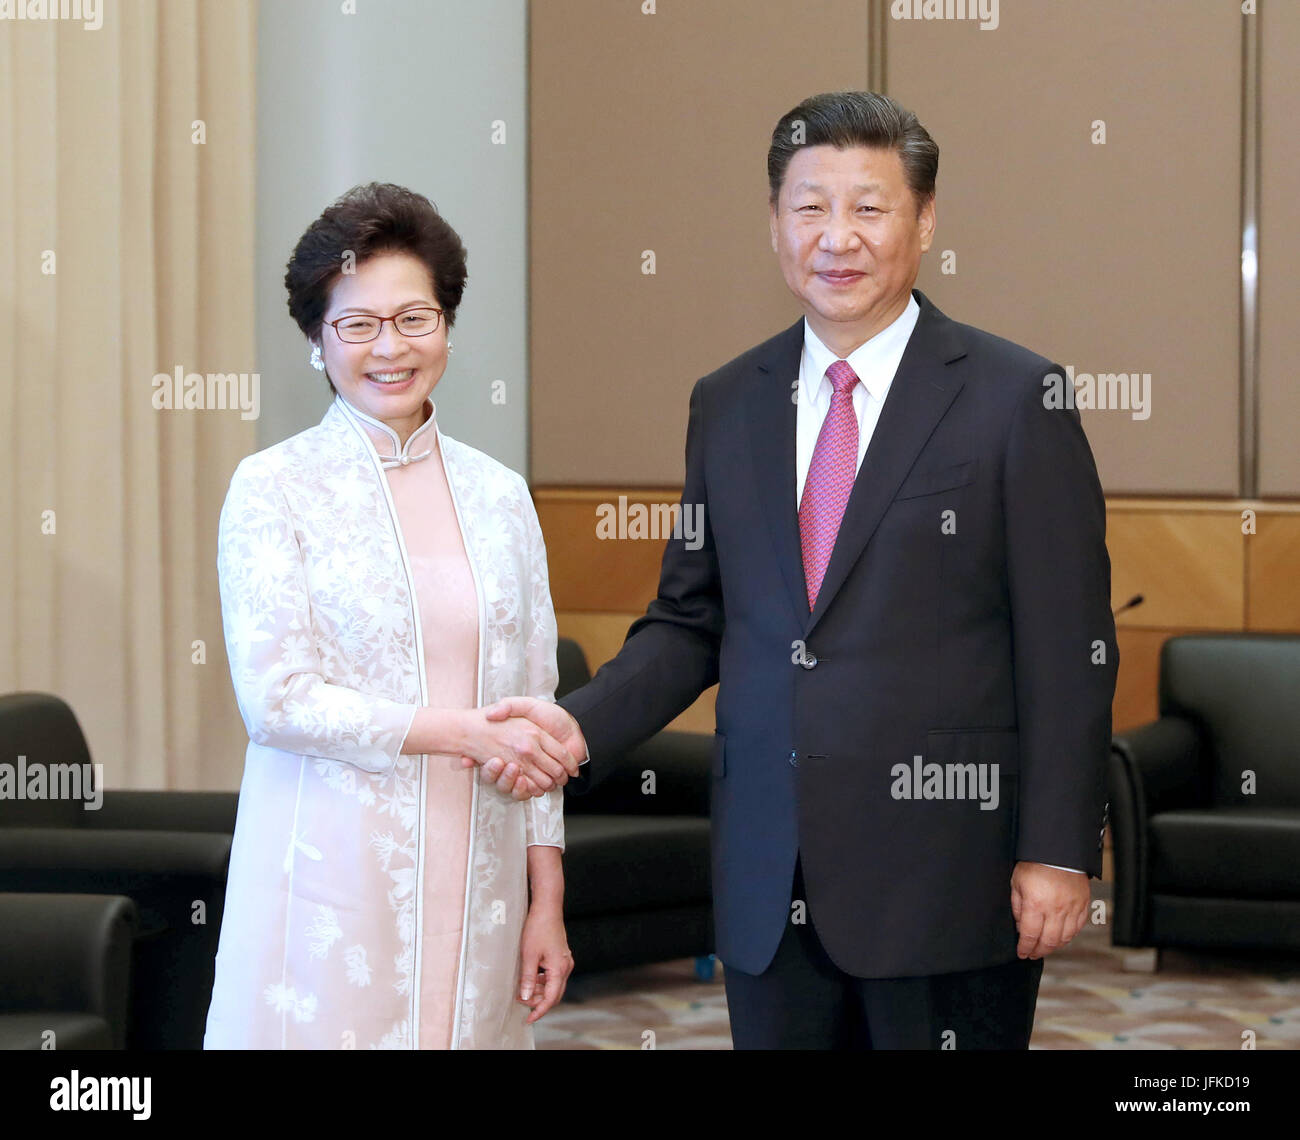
1188	566
651	133
1273	573
1116	258
1279	242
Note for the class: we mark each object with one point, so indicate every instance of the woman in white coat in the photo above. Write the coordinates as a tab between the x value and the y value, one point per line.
380	583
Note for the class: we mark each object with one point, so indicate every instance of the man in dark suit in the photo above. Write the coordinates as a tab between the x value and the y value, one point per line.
903	590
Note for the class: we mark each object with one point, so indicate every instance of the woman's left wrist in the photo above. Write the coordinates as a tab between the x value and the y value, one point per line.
544	903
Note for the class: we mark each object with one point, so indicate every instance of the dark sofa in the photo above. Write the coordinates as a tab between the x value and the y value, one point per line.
166	851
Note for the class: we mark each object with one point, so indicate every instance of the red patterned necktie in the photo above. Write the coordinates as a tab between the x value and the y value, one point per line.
830	479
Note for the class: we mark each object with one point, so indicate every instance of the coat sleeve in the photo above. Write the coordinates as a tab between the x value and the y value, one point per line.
275	662
544	814
1065	656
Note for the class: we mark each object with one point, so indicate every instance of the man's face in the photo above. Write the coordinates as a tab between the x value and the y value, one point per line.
849	238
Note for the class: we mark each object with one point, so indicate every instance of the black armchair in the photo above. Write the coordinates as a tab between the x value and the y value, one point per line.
65	970
1205	801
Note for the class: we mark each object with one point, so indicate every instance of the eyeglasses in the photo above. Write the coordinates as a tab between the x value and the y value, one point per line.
357	328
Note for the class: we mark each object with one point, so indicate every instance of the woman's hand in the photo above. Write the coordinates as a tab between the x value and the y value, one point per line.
523	747
548	716
545	961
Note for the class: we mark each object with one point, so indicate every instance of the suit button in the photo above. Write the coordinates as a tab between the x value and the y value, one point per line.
794	759
809	661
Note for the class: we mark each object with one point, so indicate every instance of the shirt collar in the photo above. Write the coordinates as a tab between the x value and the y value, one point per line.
874	361
378	432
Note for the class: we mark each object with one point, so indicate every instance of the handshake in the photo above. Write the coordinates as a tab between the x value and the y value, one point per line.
524	746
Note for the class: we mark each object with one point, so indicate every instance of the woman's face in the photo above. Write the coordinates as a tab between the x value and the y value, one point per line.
391	376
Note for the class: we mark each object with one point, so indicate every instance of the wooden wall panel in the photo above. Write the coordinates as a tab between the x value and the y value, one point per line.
1135	701
1273	579
601	586
593	574
1189	558
1189	565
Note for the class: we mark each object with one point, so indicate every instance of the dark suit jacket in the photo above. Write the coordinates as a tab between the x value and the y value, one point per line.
979	637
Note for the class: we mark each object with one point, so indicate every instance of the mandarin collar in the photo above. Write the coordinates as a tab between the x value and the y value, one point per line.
399	456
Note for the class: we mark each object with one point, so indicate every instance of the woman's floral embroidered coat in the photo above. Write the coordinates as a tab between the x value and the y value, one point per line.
320	940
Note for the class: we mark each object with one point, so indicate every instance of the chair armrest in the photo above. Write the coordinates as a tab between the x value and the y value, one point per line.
1126	813
1151	769
1166	764
68	954
28	854
125	809
681	763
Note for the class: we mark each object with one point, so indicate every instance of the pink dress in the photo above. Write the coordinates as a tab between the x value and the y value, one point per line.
448	608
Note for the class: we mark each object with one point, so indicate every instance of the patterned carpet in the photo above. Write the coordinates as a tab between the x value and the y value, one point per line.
1087	1000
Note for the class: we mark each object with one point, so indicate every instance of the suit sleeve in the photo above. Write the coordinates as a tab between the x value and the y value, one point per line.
275	664
670	654
544	814
1065	656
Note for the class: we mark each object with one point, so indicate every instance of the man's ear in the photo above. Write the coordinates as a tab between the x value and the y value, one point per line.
926	221
771	223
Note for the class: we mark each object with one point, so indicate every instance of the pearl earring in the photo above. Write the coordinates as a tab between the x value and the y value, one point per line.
316	361
450	347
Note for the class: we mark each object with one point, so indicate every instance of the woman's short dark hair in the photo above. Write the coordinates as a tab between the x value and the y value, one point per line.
371	219
855	118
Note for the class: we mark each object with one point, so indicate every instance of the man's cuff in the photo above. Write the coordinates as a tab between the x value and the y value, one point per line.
1056	868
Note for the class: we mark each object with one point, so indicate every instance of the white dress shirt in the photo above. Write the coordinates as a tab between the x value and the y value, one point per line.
874	362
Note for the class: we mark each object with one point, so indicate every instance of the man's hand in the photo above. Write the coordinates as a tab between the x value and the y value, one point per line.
551	719
1050	907
513	749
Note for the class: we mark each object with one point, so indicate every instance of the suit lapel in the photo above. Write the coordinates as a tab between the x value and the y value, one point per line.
921	392
772	438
